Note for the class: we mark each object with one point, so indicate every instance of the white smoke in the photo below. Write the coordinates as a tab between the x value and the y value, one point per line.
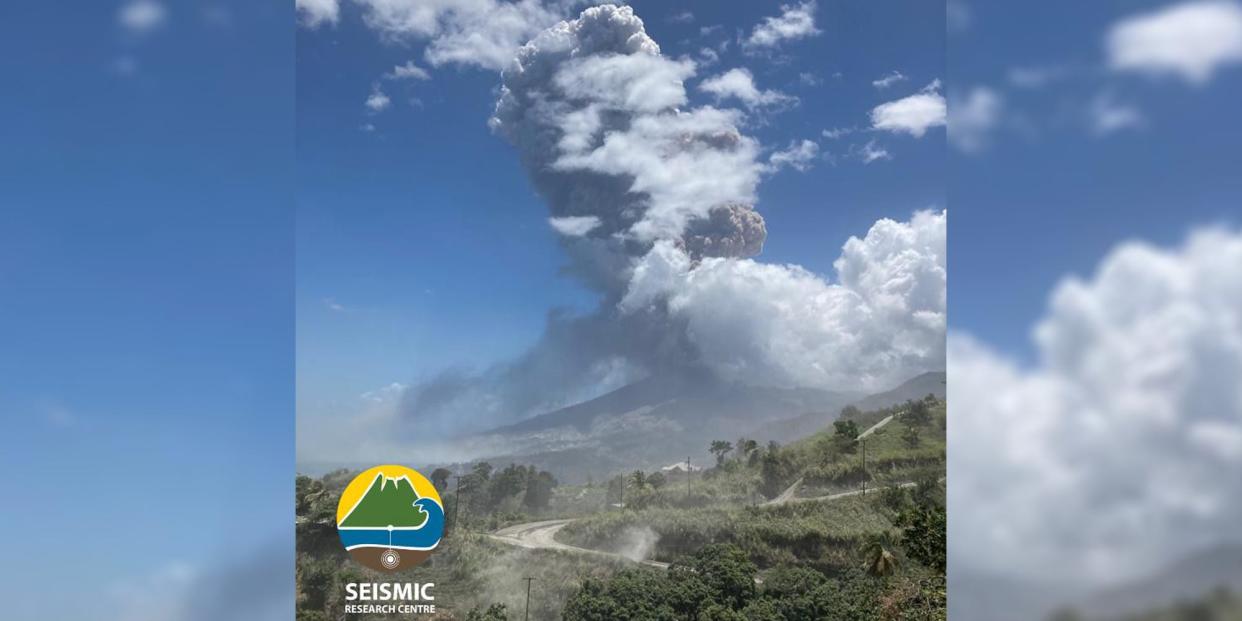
881	323
636	543
1118	451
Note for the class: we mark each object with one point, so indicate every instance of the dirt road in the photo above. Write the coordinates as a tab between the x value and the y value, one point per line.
542	535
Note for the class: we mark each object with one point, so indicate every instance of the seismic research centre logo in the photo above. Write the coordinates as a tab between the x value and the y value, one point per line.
390	518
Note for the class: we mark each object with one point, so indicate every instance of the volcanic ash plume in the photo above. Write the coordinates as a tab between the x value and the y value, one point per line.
653	202
599	117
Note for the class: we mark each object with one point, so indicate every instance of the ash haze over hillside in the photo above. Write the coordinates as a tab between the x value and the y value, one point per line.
654	200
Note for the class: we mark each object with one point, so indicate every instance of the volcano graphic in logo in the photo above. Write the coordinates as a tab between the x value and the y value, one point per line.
390	518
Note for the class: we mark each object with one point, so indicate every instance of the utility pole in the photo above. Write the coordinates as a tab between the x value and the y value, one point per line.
687	478
622	494
456	501
527	615
460	501
864	465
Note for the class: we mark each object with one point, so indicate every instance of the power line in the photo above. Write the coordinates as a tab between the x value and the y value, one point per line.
457	505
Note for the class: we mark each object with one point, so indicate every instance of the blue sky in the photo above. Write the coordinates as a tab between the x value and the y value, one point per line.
146	268
421	243
1051	194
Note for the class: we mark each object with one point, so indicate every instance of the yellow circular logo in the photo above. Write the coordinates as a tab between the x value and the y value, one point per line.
390	518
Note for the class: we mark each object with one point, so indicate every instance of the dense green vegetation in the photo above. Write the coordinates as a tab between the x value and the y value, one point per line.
873	556
718	583
807	532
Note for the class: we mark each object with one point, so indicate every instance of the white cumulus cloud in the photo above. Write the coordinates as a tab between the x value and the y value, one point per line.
881	322
1115	453
739	84
872	152
794	22
377	100
409	71
1192	40
314	13
913	115
483	33
574	226
799	155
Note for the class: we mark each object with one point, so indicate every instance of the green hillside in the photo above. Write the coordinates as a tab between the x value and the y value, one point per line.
387	503
752	536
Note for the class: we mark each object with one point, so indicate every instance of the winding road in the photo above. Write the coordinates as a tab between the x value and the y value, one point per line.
541	535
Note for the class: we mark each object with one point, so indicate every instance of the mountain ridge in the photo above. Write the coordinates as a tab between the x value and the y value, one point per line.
662	419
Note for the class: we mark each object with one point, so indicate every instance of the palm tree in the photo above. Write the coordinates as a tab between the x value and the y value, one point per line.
878	559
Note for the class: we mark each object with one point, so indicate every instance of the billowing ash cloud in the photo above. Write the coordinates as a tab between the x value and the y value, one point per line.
599	118
1118	451
653	201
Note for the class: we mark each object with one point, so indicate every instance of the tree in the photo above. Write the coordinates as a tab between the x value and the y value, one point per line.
495	612
656	480
507	483
911	437
637	594
845	435
720	448
727	571
539	490
775	469
895	497
878	558
745	446
639	478
483	470
917	413
927	489
719	612
847	429
440	477
307	490
849	412
923	536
